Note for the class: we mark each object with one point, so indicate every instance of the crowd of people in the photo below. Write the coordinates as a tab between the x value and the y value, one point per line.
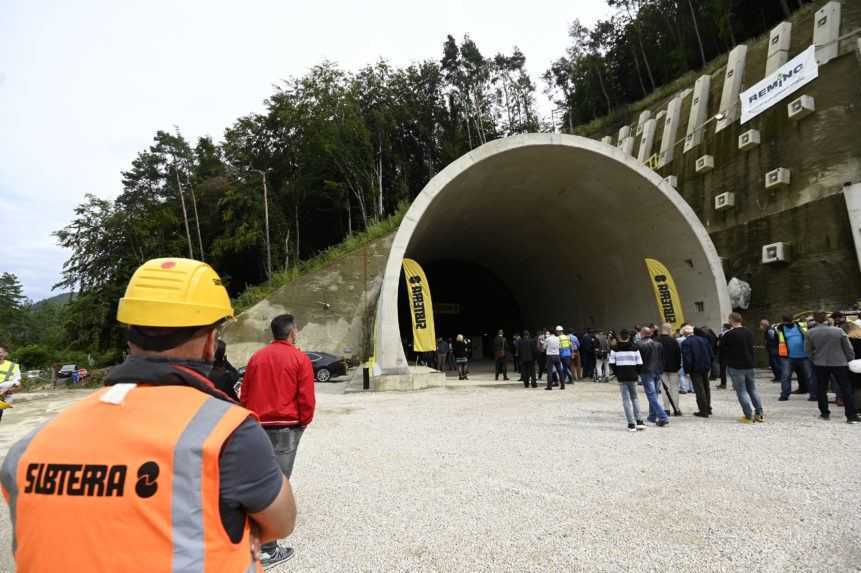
668	363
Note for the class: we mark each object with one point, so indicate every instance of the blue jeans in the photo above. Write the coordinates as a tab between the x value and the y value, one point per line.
652	384
803	371
285	442
566	368
774	364
745	388
685	384
554	371
630	402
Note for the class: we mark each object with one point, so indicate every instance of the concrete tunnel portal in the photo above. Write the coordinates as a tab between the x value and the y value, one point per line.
558	224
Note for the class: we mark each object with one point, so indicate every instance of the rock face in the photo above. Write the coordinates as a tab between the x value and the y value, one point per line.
739	293
334	307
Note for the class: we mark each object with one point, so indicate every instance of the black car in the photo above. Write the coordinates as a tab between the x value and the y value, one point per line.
326	366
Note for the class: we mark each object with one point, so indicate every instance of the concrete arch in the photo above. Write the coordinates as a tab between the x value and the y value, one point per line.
566	221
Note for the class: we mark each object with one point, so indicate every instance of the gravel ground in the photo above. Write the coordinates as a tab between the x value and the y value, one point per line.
507	479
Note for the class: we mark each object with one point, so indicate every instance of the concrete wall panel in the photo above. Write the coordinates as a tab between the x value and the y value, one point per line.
732	82
647	140
645	116
779	41
699	113
627	146
671	129
826	31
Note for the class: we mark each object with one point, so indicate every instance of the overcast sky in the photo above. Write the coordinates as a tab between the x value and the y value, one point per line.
84	85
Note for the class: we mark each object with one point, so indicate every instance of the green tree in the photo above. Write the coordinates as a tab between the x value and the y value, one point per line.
12	304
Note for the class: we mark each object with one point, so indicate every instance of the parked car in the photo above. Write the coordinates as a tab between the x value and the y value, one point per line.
326	366
33	374
67	370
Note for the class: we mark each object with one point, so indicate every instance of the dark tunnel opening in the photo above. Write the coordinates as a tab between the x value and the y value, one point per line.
468	299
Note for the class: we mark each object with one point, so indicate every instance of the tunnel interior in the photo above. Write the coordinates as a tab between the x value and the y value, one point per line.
563	225
468	299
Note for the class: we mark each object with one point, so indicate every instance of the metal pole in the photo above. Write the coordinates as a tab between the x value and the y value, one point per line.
184	213
266	216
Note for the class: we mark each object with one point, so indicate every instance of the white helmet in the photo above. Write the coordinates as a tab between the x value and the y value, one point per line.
559	328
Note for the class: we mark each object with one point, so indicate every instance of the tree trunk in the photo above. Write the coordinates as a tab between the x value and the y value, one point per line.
784	5
603	88
287	249
639	73
349	217
507	105
729	27
697	32
296	219
466	120
637	31
380	179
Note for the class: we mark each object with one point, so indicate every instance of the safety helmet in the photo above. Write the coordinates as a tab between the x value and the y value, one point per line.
558	328
174	293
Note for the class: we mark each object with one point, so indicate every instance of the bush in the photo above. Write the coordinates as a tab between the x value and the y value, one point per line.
33	356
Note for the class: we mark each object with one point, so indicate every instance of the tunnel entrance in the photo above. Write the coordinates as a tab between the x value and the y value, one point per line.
565	224
468	299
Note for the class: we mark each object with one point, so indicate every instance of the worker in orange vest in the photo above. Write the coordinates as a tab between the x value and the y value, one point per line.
160	471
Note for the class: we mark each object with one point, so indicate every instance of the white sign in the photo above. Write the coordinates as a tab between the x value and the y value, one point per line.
797	72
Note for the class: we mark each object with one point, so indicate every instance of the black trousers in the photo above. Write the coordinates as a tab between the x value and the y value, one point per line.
527	370
847	390
501	368
516	363
588	359
542	364
703	391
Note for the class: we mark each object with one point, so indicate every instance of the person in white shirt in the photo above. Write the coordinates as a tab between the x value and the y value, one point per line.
554	363
10	378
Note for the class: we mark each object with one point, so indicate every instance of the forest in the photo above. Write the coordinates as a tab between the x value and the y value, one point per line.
335	152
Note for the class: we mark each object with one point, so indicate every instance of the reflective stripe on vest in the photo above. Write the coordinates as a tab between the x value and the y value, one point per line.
8	476
564	342
157	490
187	511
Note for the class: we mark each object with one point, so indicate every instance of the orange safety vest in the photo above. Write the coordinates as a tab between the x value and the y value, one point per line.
126	487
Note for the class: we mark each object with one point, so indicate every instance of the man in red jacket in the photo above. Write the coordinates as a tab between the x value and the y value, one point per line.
279	388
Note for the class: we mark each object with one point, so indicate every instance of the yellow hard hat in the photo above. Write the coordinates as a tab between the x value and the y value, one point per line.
174	293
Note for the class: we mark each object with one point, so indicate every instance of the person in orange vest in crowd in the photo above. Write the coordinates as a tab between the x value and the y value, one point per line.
279	387
160	471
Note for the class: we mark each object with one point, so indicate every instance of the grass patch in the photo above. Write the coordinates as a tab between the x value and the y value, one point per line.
255	294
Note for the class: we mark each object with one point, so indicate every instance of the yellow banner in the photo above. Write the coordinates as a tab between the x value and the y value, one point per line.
666	294
421	307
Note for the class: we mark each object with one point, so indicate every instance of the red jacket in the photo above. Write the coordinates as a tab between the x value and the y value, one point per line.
279	386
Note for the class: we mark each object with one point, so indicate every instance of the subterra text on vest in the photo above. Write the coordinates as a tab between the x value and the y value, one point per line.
90	480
